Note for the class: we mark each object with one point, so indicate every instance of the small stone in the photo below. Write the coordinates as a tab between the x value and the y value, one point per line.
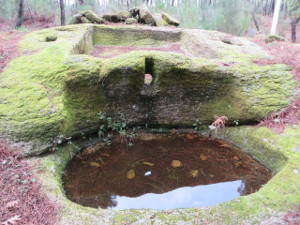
176	164
130	174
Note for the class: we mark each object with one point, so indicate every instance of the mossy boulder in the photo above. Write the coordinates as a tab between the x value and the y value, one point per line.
159	21
134	11
124	15
86	17
76	19
91	16
273	38
58	91
170	20
145	16
112	17
131	21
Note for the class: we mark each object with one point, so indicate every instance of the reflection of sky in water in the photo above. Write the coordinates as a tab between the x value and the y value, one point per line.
186	197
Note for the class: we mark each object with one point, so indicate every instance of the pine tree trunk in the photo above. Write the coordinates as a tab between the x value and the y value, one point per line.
62	13
20	13
293	26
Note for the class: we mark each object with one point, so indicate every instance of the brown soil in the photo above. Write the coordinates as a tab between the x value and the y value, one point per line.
9	46
22	201
105	52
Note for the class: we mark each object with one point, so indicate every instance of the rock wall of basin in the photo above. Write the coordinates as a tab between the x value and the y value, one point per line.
57	91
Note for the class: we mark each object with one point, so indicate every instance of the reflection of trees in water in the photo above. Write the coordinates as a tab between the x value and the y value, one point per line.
251	185
103	201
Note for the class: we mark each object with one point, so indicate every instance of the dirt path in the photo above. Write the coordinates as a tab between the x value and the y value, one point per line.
9	46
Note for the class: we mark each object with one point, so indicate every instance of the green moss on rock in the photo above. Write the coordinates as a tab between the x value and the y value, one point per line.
160	22
60	90
131	21
170	20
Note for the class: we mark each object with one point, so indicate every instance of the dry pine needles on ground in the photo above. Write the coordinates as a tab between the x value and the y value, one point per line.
22	201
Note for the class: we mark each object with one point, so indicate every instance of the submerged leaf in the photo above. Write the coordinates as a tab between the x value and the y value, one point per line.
203	157
194	173
94	164
130	174
148	163
176	163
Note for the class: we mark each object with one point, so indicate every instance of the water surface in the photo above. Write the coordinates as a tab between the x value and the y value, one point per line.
162	172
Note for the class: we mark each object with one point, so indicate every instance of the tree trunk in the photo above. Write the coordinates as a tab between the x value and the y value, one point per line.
81	2
253	15
62	13
20	13
275	17
293	26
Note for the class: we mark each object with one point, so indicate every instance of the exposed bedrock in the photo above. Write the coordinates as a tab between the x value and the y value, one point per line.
59	90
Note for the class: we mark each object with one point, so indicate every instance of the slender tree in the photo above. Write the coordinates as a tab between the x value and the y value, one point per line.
62	13
81	2
20	13
275	17
293	26
294	11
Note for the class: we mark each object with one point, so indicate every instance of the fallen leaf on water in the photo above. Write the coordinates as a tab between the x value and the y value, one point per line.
94	164
130	174
203	157
189	136
148	163
194	173
176	163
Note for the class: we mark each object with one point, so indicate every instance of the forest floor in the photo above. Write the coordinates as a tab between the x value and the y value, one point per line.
22	201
